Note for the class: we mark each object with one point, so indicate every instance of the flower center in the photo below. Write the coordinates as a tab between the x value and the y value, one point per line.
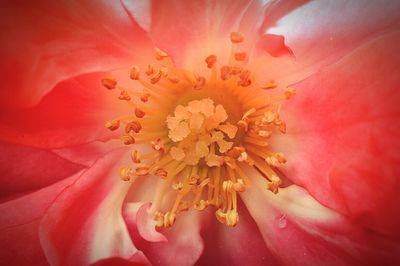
202	142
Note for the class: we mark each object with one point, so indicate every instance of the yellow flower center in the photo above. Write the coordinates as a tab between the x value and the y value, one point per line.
204	132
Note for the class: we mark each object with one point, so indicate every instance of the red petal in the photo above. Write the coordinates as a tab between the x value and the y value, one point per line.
47	42
344	132
241	245
73	113
184	244
19	225
24	169
320	33
299	230
85	224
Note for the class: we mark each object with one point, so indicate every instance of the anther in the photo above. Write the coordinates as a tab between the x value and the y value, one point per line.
142	170
289	93
177	186
124	95
139	113
211	60
150	69
240	55
134	126
112	125
155	77
135	156
169	219
127	139
126	173
109	83
237	37
270	85
264	133
173	79
239	186
160	55
135	71
145	97
158	145
161	173
225	72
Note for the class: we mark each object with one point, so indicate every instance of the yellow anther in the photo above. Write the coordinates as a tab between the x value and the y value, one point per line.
194	179
142	170
150	70
177	186
264	133
244	124
243	157
232	218
270	85
269	117
134	126
237	37
126	173
226	72
124	95
239	186
139	113
289	92
201	205
160	55
200	82
274	184
135	71
169	219
112	124
145	97
135	156
211	60
155	77
128	139
109	83
240	55
158	145
281	158
159	218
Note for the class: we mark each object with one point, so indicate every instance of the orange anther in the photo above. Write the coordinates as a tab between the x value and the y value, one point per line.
125	173
109	83
236	70
240	55
164	71
135	156
271	85
128	139
134	126
139	113
112	125
142	170
135	71
237	37
289	92
173	79
155	77
124	95
150	70
161	173
211	60
226	72
145	97
160	55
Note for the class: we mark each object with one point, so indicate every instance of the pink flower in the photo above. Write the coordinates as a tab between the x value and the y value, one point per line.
324	193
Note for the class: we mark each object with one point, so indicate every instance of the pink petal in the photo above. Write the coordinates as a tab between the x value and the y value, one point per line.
241	245
184	244
300	231
22	169
73	113
46	42
85	224
321	32
19	225
343	135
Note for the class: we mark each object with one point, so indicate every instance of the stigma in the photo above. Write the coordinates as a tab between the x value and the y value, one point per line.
202	132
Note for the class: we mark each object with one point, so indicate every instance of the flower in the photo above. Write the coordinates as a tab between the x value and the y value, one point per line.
332	200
